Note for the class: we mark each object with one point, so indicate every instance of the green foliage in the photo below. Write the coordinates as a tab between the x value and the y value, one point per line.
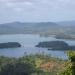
71	54
67	70
70	64
27	65
17	69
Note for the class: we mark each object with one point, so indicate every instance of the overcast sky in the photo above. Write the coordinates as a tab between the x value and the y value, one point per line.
36	10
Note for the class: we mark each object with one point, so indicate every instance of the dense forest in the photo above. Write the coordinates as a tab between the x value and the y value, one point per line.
31	65
39	64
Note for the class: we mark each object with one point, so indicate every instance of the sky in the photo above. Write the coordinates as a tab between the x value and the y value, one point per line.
37	10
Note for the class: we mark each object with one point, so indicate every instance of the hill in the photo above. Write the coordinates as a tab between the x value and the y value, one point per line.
42	28
67	23
18	27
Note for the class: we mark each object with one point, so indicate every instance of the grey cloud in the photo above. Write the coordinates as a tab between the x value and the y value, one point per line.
35	10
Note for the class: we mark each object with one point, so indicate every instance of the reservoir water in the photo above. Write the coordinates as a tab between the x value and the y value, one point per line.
28	43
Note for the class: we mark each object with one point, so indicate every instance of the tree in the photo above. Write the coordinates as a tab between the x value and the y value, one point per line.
70	64
19	68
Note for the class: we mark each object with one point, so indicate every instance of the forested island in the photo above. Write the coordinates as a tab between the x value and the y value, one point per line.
10	45
55	45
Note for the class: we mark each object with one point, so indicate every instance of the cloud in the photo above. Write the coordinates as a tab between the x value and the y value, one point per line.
17	5
38	9
37	4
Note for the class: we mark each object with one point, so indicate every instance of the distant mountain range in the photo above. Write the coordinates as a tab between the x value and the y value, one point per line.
66	23
37	28
18	27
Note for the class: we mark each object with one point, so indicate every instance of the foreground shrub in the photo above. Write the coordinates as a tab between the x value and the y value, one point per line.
70	64
17	69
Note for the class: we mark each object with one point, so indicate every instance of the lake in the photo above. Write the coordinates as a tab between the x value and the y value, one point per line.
28	42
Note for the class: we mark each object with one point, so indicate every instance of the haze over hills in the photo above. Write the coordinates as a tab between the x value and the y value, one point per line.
18	27
67	23
48	28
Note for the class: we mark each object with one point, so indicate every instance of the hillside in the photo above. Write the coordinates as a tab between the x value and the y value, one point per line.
18	27
66	23
31	65
42	28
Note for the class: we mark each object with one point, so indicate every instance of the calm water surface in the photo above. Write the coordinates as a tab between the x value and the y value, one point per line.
28	43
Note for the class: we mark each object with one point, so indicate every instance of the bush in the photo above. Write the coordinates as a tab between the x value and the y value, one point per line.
17	69
70	64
